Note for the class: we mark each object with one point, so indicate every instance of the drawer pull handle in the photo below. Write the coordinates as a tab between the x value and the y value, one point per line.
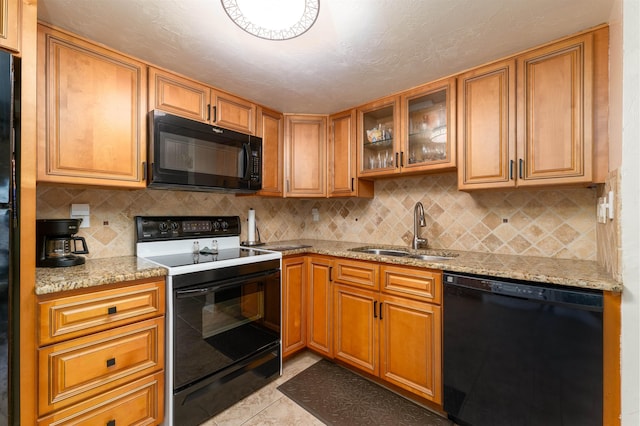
111	362
112	310
111	423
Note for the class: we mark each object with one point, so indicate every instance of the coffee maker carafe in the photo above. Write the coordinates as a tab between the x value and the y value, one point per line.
56	244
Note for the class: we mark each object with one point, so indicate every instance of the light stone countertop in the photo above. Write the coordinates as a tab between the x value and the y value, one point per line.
566	272
95	272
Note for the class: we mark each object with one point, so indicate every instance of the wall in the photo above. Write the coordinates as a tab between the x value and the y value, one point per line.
550	223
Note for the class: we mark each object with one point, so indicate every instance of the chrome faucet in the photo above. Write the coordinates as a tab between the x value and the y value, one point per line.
418	222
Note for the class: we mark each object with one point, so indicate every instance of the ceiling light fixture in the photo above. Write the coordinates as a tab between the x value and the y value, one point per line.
273	19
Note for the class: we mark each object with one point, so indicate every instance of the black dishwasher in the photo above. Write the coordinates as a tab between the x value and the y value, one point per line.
521	353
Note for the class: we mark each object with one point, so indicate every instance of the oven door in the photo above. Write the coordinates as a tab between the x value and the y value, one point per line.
222	323
187	153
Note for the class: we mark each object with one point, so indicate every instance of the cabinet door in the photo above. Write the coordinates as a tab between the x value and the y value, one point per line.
379	148
428	127
356	327
233	113
177	95
91	112
294	300
305	153
319	320
271	130
342	152
487	127
555	91
10	24
410	346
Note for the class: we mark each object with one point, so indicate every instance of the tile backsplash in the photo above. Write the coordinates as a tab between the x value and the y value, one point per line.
551	222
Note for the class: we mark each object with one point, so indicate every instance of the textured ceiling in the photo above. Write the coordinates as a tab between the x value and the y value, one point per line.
358	50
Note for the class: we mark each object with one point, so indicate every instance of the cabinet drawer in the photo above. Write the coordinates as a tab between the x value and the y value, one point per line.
356	273
137	403
63	318
416	283
88	366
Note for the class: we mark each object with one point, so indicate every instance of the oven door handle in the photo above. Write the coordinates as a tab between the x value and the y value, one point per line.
222	285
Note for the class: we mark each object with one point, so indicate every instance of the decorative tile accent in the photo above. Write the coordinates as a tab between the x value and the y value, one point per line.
551	222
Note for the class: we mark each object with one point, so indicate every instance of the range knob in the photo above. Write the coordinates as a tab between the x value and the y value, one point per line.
163	226
174	226
224	225
215	226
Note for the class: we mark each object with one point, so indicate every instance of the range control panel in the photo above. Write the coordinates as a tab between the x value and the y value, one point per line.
160	228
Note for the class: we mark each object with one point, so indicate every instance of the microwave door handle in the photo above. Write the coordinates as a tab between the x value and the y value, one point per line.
247	167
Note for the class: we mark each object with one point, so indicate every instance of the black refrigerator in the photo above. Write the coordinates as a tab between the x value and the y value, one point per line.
9	152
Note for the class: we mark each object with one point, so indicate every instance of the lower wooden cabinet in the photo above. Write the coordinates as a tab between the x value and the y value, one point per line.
294	305
101	355
319	307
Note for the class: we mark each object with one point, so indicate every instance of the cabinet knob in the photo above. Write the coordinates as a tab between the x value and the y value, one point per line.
111	362
111	423
112	310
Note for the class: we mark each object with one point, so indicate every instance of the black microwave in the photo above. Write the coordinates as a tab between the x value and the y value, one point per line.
194	156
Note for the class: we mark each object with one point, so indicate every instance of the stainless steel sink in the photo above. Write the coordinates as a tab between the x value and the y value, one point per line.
286	247
381	252
430	257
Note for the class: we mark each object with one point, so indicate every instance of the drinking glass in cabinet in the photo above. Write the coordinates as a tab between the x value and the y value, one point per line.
428	127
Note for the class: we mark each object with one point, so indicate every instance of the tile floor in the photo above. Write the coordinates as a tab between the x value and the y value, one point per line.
269	406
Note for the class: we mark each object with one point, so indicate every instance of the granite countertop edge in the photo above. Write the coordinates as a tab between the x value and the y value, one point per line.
565	272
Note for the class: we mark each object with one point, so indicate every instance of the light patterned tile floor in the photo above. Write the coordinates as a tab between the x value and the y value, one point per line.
269	406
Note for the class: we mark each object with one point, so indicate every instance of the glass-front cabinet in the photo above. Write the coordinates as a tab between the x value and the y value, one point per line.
410	133
379	131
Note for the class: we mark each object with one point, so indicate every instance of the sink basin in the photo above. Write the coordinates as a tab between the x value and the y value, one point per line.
382	252
430	257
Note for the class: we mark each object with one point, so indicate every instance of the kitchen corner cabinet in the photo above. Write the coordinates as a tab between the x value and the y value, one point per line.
529	120
271	130
342	152
305	156
91	113
320	305
101	355
187	98
294	301
10	19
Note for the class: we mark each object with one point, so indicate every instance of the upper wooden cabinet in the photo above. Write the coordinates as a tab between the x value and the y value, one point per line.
342	152
271	130
305	156
428	127
487	126
536	119
91	113
411	133
555	95
10	24
190	99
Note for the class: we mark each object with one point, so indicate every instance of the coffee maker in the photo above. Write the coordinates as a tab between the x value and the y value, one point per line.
56	244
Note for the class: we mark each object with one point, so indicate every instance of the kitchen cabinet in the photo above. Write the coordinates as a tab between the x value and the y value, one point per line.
190	99
398	339
342	152
101	354
411	330
428	127
414	132
379	138
305	156
91	113
10	19
531	120
271	130
294	304
320	305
